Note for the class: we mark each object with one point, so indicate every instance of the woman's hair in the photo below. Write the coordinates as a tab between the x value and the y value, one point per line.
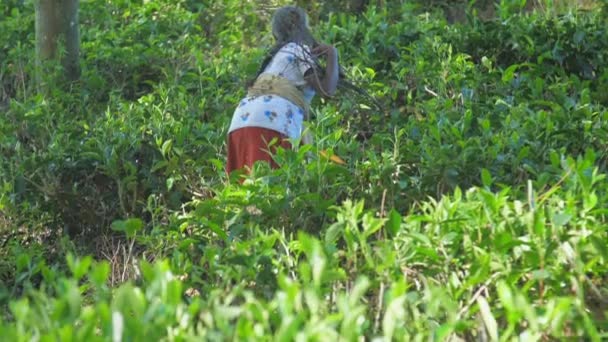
289	25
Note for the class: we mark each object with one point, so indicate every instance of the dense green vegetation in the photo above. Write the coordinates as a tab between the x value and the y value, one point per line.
471	206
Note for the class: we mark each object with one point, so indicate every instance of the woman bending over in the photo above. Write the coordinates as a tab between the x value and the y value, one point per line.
278	102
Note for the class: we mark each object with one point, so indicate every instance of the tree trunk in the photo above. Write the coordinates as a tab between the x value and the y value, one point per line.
47	29
57	21
71	61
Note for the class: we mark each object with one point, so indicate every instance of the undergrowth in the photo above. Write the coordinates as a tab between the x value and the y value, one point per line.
471	206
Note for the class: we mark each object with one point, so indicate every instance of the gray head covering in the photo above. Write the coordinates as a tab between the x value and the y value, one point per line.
290	24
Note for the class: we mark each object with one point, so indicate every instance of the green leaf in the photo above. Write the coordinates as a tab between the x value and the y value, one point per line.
23	261
561	219
166	147
540	274
290	326
147	271
333	233
170	182
129	226
357	292
503	242
421	237
486	62
370	72
507	300
20	309
428	252
129	299
217	230
79	267
99	273
394	316
393	225
555	159
83	267
159	165
509	73
449	238
174	292
486	178
371	224
590	201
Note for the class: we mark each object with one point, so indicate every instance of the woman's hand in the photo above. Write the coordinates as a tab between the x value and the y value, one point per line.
326	86
324	49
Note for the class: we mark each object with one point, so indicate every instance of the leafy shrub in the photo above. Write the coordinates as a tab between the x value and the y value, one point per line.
470	205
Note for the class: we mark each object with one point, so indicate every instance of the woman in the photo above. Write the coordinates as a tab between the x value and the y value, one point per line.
278	102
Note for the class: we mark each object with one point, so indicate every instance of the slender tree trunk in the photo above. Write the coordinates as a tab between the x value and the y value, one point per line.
57	22
71	60
47	29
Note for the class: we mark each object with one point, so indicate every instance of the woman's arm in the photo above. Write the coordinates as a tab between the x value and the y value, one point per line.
327	84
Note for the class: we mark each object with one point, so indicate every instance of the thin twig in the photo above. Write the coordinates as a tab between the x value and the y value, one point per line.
473	300
127	256
382	211
483	288
430	91
544	196
124	266
115	261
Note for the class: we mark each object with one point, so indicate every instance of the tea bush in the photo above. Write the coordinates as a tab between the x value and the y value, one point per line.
471	204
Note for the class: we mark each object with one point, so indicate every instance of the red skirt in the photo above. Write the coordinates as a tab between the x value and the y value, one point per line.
250	144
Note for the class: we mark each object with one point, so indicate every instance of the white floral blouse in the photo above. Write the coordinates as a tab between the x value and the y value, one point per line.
272	111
